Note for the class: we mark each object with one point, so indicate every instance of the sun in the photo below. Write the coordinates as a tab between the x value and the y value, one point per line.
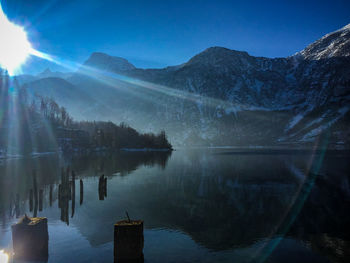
14	45
3	257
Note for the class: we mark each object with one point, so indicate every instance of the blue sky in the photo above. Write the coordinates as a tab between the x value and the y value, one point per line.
161	33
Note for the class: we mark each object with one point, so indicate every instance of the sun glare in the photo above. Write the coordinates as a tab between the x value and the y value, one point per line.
3	257
14	45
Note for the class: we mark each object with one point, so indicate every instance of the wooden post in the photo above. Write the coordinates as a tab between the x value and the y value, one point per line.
128	241
30	239
31	200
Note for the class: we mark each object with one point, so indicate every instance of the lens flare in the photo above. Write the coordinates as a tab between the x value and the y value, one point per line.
14	45
4	258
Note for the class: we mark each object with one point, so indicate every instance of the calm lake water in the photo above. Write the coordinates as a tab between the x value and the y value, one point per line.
199	205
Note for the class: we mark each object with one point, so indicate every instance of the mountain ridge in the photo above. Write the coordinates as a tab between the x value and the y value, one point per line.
222	96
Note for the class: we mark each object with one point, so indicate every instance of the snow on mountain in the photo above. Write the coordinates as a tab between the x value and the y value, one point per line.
335	44
227	97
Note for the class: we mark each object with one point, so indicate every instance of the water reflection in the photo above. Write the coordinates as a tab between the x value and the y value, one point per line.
102	187
46	182
223	202
81	192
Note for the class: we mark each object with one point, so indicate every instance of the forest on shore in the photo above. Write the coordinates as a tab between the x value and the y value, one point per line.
30	123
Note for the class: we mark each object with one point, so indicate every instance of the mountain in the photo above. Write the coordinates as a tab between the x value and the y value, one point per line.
47	73
335	44
108	63
24	78
65	94
227	97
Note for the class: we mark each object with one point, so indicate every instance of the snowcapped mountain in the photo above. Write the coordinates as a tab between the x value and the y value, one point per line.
227	97
335	44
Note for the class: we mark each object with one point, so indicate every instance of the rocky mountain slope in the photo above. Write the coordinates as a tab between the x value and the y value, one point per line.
225	97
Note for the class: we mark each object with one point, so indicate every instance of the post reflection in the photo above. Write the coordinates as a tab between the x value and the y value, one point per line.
102	187
81	191
64	195
73	193
48	181
50	187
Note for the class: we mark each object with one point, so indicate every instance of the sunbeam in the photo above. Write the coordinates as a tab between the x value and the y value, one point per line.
3	257
14	46
112	79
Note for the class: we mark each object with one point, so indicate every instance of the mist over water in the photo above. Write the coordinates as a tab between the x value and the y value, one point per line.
199	205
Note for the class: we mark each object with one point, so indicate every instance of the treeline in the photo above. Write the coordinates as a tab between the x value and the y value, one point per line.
32	123
110	135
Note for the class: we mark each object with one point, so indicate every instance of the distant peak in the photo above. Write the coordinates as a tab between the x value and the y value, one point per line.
46	71
103	56
95	55
215	48
223	50
347	27
217	55
334	44
106	62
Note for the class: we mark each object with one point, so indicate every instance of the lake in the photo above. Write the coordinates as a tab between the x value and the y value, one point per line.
198	205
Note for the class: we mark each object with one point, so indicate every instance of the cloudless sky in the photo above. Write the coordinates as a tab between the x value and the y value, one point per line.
161	33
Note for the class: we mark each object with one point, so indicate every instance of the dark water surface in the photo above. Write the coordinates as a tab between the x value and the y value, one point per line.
201	205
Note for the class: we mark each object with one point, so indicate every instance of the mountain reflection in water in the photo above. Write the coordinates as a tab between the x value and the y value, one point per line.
233	206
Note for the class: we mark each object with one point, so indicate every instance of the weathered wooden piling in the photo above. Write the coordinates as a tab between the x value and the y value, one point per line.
81	191
128	241
30	239
31	200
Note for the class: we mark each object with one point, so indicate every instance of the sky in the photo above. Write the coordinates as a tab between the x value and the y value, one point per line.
154	34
